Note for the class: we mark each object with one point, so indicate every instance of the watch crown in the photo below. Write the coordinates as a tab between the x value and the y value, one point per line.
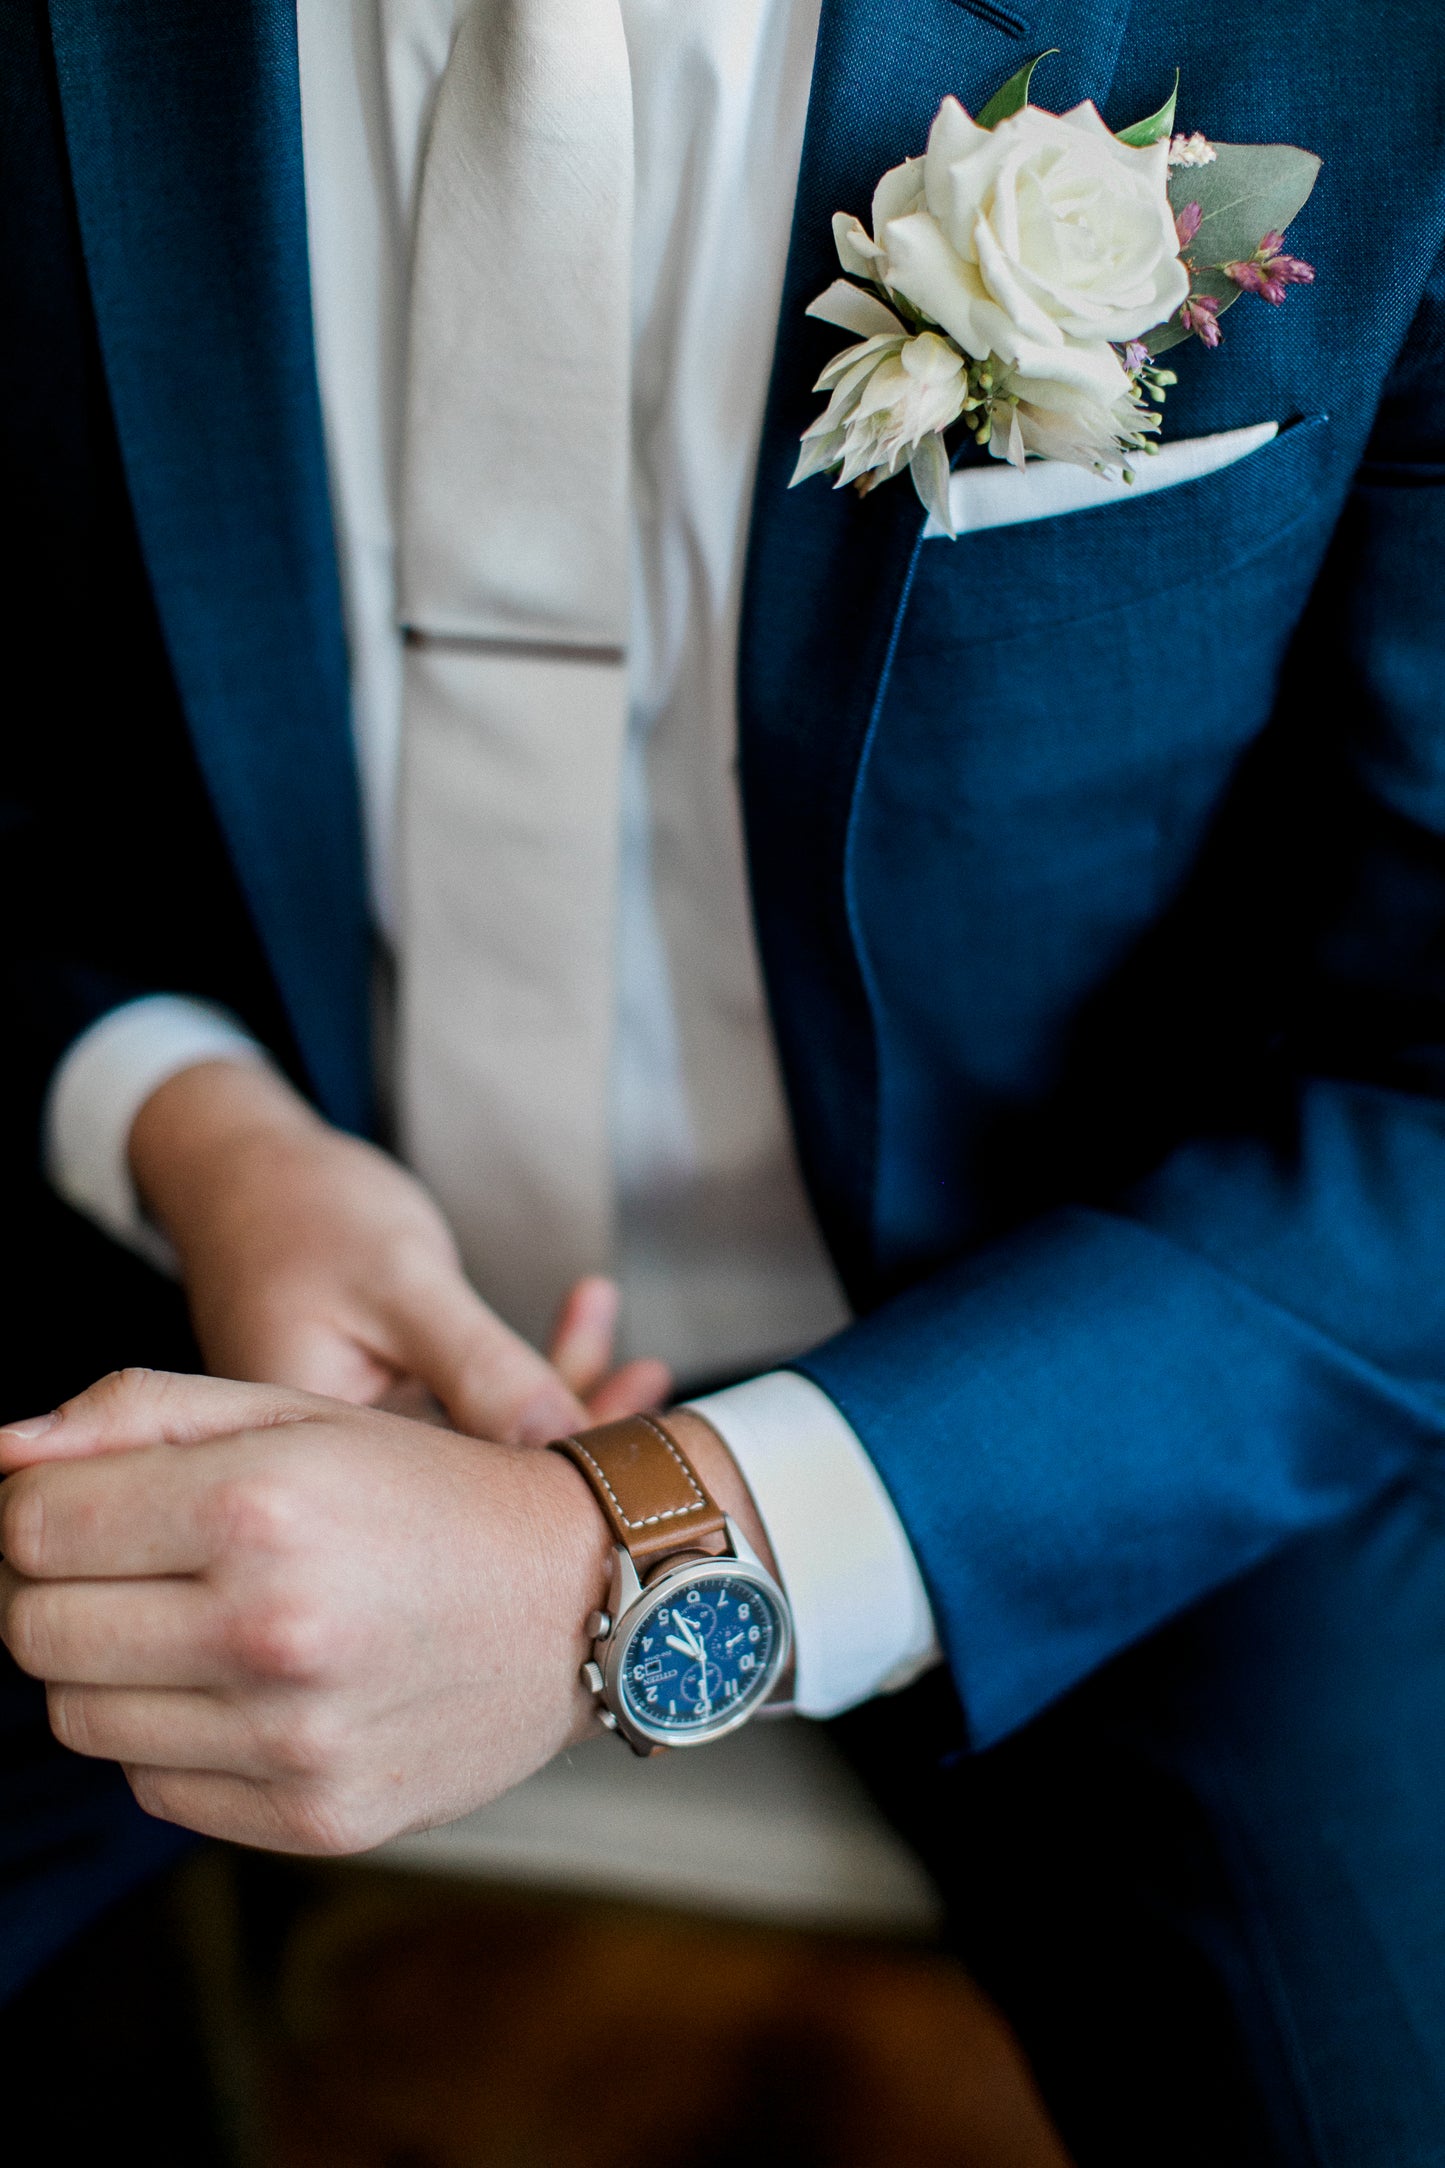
599	1625
591	1677
607	1720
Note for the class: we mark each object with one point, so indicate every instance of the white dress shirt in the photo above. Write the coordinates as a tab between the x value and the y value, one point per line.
721	1267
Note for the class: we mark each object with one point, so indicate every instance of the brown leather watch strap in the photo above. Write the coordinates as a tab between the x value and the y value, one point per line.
653	1498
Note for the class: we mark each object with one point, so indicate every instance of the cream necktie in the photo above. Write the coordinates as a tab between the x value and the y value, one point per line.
513	583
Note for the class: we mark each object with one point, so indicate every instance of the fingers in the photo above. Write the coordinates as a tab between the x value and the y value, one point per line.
582	1339
270	1739
147	1407
113	1633
633	1390
491	1383
152	1511
581	1354
275	1818
172	1729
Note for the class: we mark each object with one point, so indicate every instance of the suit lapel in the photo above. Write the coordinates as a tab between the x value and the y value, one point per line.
828	576
184	131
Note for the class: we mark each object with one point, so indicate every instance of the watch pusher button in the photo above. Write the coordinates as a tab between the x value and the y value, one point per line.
599	1625
591	1677
607	1720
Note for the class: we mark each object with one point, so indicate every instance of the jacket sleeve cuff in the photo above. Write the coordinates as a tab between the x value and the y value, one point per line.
861	1616
99	1087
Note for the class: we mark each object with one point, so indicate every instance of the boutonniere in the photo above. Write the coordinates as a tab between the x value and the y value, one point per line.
1023	278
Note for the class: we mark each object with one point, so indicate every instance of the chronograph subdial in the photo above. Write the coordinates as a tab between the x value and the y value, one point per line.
701	1686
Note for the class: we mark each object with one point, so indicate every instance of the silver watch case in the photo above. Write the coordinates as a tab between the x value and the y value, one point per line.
631	1598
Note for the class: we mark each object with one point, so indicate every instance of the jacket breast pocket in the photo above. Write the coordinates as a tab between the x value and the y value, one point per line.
1031	558
1069	696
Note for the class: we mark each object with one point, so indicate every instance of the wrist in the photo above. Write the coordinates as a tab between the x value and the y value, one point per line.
695	1636
198	1118
721	1474
574	1552
713	1459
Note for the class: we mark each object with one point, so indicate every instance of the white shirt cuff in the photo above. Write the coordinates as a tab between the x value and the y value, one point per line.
862	1621
100	1085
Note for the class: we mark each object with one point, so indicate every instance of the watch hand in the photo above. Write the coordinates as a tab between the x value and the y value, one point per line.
684	1648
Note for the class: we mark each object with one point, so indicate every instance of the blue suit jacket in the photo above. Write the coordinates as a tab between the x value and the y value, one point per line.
1099	863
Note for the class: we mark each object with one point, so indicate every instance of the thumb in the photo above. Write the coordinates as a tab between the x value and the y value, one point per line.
491	1382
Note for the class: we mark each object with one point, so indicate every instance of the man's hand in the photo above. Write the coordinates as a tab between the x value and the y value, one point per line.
314	1260
296	1624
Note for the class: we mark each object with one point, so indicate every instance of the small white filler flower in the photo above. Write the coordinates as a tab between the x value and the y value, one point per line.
893	395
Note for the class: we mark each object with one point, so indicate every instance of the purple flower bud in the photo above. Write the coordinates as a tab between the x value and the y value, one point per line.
1248	275
1267	272
1136	353
1186	225
1199	315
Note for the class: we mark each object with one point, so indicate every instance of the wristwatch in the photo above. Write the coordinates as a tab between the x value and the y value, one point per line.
697	1632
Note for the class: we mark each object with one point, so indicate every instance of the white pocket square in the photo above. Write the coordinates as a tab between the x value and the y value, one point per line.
1001	496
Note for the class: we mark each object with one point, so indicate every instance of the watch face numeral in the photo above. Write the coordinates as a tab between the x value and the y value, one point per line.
708	1652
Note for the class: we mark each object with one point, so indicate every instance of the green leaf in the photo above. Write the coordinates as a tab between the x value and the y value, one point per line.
1250	190
1014	95
1171	334
1145	132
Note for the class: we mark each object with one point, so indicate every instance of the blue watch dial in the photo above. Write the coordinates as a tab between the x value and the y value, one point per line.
704	1652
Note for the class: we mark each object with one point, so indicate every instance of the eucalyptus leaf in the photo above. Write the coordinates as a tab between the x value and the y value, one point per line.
1145	132
1014	95
1220	288
1171	334
1250	190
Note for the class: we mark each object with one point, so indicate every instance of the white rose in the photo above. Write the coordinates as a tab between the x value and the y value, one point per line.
1041	240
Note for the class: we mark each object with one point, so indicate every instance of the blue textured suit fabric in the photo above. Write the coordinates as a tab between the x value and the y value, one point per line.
1099	868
